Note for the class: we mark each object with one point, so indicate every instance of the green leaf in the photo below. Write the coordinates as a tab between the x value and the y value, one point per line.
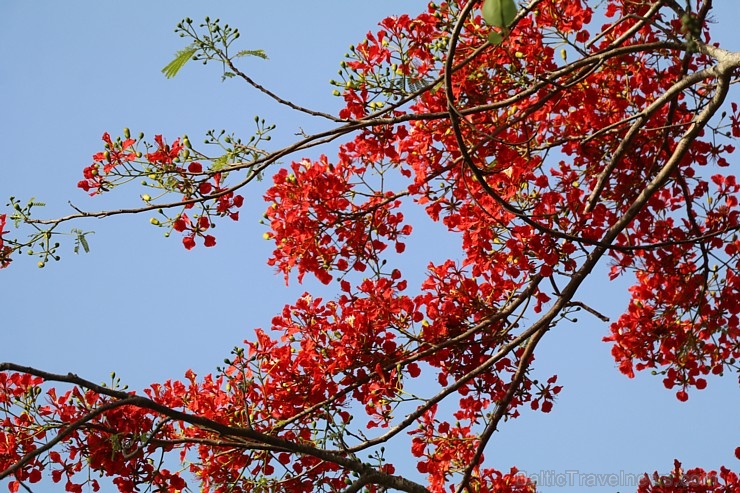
220	163
509	11
181	58
495	38
83	242
491	11
499	13
257	53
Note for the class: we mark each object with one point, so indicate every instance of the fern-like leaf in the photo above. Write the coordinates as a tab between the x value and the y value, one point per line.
257	53
81	241
181	58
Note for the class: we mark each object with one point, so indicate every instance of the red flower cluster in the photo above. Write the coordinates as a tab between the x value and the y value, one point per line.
541	168
115	154
193	228
684	314
5	250
695	480
319	225
18	434
521	221
226	202
164	154
163	166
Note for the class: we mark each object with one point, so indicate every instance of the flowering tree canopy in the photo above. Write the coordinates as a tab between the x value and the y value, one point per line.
551	137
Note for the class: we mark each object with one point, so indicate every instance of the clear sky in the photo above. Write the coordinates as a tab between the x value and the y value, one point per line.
142	306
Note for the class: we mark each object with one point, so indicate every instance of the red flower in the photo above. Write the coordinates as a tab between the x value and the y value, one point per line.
188	242
115	153
181	223
164	154
5	250
203	223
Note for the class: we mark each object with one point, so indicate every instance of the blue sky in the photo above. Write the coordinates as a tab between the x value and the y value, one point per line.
142	306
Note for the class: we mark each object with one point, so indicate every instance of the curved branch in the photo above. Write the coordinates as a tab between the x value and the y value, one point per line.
229	62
